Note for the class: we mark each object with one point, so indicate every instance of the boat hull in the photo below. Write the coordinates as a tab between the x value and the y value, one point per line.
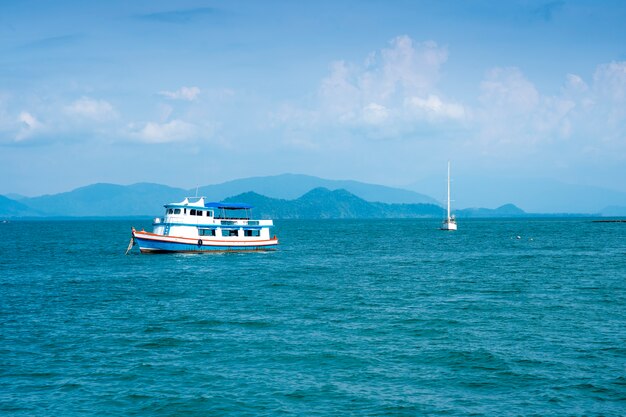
153	243
448	226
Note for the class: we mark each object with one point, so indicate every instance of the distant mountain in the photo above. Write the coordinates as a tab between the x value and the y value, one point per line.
537	195
507	210
148	199
614	211
143	199
292	186
14	196
12	208
322	203
107	200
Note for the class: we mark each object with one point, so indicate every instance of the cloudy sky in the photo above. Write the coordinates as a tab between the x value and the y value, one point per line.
193	93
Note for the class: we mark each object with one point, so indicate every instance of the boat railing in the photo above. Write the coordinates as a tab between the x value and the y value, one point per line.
221	221
240	221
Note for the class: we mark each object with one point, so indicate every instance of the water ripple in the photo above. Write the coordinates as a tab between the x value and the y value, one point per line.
387	317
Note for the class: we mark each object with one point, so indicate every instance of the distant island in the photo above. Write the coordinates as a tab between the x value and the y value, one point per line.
286	196
322	203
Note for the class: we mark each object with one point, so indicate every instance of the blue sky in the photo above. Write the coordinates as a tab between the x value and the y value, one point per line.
192	93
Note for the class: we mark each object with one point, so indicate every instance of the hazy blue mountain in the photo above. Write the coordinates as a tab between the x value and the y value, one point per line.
614	211
322	203
533	195
107	200
148	199
318	202
14	196
12	208
292	186
507	210
266	207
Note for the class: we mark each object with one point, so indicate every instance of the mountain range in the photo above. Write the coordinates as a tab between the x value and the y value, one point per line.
105	200
281	196
292	186
12	208
535	195
148	199
322	203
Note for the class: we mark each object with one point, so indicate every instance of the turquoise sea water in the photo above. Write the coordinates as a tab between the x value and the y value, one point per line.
376	317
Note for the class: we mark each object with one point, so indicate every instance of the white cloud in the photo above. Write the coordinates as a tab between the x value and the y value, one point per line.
410	68
340	95
507	89
386	91
54	120
391	94
552	119
28	126
434	107
598	109
608	100
95	110
395	93
29	121
173	131
610	80
183	93
575	83
512	112
375	114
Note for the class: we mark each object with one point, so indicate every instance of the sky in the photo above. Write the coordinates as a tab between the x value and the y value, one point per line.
192	93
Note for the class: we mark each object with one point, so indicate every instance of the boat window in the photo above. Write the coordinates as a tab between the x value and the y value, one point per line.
199	213
206	232
184	211
192	212
255	233
176	211
209	214
170	211
226	232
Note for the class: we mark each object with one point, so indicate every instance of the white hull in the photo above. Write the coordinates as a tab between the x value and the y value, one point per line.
154	243
448	225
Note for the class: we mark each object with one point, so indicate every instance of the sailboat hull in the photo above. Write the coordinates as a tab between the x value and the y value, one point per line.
448	226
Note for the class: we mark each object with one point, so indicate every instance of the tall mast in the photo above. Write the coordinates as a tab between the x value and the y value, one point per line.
448	190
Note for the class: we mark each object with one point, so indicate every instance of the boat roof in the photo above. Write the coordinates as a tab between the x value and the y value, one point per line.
200	203
228	206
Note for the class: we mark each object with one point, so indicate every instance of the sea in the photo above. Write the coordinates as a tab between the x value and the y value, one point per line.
347	318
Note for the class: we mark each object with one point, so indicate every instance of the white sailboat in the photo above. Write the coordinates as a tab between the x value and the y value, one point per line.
450	222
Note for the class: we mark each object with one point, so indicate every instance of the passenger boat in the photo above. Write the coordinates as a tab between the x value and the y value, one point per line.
194	225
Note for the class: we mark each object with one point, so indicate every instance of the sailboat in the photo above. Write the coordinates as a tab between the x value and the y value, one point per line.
450	222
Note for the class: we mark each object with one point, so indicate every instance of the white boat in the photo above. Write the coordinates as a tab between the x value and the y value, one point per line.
200	226
450	222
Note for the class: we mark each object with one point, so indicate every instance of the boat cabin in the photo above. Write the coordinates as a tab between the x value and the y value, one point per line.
199	218
194	225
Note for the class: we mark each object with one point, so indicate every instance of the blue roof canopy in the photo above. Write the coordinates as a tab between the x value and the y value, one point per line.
228	206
